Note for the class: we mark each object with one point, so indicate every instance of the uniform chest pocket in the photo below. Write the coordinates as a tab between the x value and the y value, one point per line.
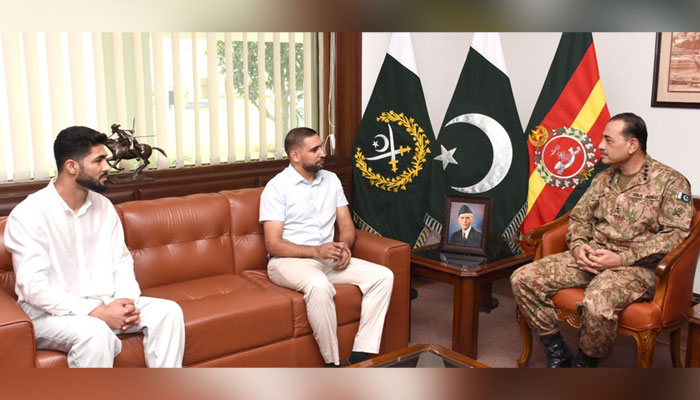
641	207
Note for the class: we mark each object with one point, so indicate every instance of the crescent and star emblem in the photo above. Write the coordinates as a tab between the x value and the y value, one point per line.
389	142
502	151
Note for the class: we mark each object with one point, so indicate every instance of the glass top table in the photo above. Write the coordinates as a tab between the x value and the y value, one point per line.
421	356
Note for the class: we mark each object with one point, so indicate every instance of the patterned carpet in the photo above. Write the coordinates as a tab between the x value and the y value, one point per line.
499	336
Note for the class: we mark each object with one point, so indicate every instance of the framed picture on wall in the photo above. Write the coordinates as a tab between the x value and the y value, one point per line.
465	229
676	70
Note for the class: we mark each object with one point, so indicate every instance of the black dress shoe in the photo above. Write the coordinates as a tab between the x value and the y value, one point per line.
357	356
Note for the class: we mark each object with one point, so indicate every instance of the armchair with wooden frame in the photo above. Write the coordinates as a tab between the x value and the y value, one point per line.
644	321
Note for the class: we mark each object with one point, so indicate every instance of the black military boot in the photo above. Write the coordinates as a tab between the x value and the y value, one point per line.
583	360
558	355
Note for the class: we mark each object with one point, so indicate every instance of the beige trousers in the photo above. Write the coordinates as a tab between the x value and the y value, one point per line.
315	278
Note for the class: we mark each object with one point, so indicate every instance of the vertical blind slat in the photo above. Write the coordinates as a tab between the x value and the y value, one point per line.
262	106
36	117
119	84
160	106
77	77
323	117
277	84
292	82
15	106
195	90
100	85
231	131
307	80
177	100
246	97
140	129
57	90
213	97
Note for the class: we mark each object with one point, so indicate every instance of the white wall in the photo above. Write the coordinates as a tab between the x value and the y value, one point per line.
625	60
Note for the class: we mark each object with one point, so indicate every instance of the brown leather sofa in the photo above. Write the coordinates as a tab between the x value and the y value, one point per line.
206	252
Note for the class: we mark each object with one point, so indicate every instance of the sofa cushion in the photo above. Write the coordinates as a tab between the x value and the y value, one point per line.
178	239
348	301
226	314
247	236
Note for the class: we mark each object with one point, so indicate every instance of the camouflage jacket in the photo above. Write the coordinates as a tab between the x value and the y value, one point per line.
641	223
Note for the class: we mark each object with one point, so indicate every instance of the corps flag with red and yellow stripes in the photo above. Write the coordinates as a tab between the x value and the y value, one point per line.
564	131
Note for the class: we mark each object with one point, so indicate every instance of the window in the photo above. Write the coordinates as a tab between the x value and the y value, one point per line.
197	96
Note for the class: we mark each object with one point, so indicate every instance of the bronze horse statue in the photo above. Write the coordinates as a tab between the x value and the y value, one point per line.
128	148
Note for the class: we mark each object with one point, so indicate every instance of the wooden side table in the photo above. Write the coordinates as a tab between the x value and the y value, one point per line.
692	355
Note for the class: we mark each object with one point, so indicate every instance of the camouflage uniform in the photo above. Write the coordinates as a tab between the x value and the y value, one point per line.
641	224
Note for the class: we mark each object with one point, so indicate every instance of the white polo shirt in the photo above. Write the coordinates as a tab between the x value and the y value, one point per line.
308	210
67	263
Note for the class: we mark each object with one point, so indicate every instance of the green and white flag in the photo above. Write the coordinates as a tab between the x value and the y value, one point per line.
481	149
392	150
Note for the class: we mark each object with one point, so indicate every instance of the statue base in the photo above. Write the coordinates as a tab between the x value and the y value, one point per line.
129	179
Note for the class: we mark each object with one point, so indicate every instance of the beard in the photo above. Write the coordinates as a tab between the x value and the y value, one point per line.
313	168
91	183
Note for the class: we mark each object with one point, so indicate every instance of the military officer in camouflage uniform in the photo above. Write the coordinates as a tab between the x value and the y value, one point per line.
633	213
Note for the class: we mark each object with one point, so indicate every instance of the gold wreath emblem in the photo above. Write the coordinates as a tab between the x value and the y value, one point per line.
539	136
398	182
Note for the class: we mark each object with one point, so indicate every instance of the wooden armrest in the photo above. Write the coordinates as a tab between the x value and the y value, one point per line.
534	236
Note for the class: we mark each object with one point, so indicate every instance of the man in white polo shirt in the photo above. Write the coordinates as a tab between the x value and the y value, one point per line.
298	210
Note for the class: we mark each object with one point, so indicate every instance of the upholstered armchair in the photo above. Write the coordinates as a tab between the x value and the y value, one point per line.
644	321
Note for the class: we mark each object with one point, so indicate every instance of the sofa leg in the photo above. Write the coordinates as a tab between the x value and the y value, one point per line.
646	344
526	335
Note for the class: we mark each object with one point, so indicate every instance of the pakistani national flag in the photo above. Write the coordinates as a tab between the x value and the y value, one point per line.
564	131
481	150
392	150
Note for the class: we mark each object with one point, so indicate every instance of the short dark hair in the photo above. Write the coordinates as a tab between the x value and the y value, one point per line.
634	128
75	143
296	136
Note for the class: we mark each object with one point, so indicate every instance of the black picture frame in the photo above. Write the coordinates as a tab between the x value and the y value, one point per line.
454	242
665	92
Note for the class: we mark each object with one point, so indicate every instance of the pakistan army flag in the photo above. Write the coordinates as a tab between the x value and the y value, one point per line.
481	149
392	150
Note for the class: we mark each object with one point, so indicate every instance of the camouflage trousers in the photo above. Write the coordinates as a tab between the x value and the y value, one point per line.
606	295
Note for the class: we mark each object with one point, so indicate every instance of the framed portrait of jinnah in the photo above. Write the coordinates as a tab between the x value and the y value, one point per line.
465	229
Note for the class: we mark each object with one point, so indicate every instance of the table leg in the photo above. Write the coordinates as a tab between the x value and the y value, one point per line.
692	357
465	321
485	296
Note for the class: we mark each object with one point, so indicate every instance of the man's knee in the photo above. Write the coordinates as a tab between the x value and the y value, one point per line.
385	276
95	334
520	277
319	288
596	307
167	311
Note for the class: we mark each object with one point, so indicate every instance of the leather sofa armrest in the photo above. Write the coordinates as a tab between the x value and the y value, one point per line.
396	256
17	344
